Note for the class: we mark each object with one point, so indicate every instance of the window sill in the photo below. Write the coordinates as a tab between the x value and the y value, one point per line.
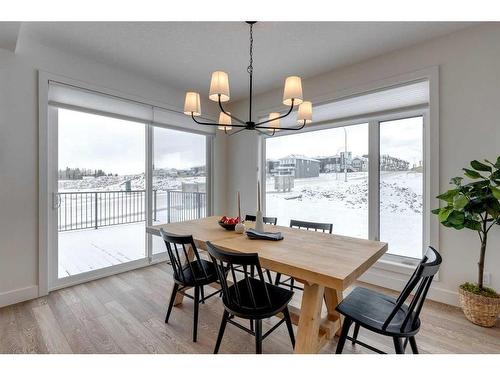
403	266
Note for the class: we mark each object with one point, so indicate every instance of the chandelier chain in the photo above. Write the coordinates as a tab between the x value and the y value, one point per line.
250	67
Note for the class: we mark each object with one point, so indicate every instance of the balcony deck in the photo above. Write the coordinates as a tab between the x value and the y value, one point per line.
91	249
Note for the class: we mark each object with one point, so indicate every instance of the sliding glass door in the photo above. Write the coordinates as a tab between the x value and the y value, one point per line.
179	178
101	194
111	177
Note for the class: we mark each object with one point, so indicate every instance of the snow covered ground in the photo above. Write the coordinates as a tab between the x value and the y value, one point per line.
91	249
110	183
329	199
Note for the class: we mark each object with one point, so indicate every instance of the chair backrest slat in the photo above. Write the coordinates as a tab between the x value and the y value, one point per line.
309	225
225	263
178	254
266	219
421	277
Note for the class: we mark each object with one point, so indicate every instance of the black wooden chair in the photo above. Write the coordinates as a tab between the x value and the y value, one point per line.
248	298
188	274
266	219
386	315
308	225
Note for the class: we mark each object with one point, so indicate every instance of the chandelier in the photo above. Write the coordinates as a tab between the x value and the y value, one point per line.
219	92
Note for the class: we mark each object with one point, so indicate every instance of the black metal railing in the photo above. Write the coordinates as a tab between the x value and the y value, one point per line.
94	209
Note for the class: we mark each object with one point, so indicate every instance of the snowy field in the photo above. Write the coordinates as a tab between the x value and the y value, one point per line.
111	183
329	199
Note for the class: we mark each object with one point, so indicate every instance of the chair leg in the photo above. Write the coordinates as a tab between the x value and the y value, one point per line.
277	280
258	336
343	335
288	321
196	306
202	292
171	302
292	282
398	345
269	276
221	331
356	331
413	344
251	325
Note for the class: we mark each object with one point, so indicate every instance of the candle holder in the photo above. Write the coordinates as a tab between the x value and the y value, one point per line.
240	227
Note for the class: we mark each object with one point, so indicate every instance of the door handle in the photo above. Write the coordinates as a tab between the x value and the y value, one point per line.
56	201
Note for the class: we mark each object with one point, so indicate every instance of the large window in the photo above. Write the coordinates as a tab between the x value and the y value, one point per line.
401	185
325	176
320	176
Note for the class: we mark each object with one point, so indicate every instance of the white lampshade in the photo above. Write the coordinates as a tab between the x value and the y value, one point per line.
226	120
192	104
305	113
219	85
274	123
293	90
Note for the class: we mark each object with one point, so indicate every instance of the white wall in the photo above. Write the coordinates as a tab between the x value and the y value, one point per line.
469	99
19	151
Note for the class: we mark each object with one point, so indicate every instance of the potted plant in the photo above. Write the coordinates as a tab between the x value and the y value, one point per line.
475	205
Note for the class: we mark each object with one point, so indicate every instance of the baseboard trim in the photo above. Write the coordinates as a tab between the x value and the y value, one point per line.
396	281
18	295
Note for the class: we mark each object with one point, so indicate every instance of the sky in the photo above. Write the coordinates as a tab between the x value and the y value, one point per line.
118	146
399	138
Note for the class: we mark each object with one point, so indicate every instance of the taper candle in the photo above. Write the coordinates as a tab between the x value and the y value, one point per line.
258	195
239	207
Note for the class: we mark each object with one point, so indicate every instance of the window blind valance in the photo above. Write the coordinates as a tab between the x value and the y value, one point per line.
405	96
68	96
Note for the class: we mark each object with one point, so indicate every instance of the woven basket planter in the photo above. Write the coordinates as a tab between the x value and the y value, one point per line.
480	310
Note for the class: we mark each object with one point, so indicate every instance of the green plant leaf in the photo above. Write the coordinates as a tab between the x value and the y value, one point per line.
495	191
436	211
460	201
445	213
472	224
457	219
478	166
448	196
495	175
497	164
456	181
472	174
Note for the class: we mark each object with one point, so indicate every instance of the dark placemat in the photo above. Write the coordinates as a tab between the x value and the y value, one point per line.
270	236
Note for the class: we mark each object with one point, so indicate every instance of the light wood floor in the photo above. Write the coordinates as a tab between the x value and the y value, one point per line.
125	314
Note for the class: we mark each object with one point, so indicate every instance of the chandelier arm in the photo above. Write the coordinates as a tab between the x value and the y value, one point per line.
237	131
276	118
261	132
280	128
214	123
228	114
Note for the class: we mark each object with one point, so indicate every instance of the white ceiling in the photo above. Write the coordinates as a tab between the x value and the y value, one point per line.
8	35
183	54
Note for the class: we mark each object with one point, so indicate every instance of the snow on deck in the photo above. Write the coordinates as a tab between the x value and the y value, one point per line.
91	249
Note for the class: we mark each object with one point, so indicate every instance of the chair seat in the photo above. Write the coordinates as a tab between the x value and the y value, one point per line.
198	278
245	308
371	309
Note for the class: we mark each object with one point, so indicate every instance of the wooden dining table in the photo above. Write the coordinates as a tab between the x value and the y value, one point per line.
325	263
